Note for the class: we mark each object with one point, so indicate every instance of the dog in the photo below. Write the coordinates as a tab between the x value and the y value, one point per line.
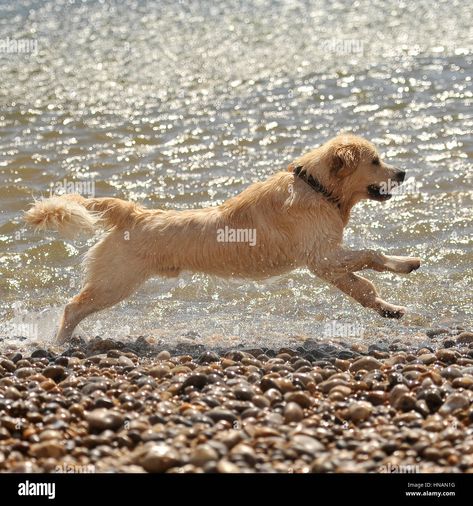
295	218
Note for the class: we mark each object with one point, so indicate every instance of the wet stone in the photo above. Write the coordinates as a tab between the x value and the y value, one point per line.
299	398
54	372
359	411
159	458
24	372
208	357
48	449
366	363
203	454
293	413
102	419
306	444
405	402
93	386
454	402
41	353
217	414
465	338
195	380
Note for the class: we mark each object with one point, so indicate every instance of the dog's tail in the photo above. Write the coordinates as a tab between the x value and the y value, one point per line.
72	214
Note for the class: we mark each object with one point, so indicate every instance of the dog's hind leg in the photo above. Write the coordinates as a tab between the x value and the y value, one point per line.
93	298
112	275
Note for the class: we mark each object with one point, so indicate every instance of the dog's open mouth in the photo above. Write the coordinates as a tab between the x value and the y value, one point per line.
377	192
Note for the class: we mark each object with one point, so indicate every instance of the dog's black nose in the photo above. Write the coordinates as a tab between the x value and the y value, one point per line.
401	175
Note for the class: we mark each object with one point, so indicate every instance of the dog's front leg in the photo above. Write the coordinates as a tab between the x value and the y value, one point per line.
401	265
345	260
360	289
363	291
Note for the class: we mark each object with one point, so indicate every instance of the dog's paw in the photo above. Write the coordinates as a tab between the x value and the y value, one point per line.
393	312
402	265
413	265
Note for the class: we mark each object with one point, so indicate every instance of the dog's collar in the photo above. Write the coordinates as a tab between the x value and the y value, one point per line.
315	185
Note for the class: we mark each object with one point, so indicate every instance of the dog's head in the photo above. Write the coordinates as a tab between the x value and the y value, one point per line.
350	168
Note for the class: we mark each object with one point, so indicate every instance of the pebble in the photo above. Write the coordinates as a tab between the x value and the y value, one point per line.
328	385
463	382
300	398
40	353
163	355
49	434
427	358
244	452
273	395
453	403
433	399
447	356
405	402
203	454
432	333
258	410
376	397
54	372
465	338
366	363
293	413
359	411
208	357
217	414
24	372
227	467
340	392
159	458
93	386
396	392
261	401
125	361
243	392
9	365
195	380
159	371
46	449
306	444
451	372
12	393
102	419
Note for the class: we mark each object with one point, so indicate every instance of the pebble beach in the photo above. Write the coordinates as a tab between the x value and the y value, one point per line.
105	405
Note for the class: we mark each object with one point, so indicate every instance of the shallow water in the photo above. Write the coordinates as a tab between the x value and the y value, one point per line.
183	104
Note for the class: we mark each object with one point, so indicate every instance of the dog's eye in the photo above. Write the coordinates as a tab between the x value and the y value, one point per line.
376	161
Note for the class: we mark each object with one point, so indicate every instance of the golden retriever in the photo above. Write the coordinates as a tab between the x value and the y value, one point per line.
293	219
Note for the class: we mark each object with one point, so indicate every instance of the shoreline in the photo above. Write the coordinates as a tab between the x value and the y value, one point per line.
114	406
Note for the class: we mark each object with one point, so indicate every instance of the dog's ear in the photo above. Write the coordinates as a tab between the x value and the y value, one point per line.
345	159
